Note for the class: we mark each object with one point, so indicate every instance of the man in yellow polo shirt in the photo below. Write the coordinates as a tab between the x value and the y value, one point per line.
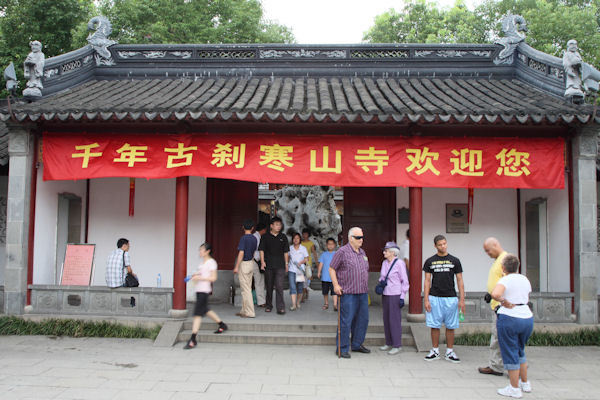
493	249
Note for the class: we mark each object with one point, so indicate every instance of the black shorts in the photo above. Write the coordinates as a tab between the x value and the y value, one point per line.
201	304
327	288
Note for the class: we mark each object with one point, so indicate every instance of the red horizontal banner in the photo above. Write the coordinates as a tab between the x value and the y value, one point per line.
311	160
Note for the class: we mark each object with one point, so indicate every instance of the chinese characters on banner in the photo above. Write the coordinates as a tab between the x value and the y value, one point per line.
311	160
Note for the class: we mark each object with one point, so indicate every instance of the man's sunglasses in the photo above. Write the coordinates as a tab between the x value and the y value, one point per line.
358	237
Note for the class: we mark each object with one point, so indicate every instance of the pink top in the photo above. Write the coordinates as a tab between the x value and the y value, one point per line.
205	270
397	283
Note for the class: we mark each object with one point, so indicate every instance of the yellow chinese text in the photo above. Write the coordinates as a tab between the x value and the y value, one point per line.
131	154
513	163
467	162
87	153
181	157
227	154
422	160
337	168
276	156
372	158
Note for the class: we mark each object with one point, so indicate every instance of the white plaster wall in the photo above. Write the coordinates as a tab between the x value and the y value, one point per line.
494	214
558	235
46	214
151	230
3	192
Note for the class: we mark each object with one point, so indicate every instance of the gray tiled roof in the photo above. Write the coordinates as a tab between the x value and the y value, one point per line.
294	99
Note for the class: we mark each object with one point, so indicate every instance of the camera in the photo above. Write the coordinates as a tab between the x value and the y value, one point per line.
487	297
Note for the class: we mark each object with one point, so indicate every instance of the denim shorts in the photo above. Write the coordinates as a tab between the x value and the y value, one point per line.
513	334
295	287
444	310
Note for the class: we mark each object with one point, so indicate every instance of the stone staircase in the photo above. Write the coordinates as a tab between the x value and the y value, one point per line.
284	333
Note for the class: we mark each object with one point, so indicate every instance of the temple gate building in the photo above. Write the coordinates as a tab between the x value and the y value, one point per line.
166	145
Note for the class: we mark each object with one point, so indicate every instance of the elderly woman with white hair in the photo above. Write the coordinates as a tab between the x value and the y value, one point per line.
393	272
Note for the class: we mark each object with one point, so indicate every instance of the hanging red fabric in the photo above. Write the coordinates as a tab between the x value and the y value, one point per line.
131	196
470	205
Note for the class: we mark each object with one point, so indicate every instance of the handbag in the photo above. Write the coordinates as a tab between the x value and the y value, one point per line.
382	284
130	279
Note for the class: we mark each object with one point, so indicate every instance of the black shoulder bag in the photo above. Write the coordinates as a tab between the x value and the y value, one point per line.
382	284
130	279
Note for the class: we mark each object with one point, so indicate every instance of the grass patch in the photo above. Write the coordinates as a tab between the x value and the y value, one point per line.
581	337
74	328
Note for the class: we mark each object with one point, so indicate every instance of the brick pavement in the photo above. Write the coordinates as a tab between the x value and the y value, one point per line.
39	367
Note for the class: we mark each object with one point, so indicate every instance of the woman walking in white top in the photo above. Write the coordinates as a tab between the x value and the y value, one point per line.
203	279
515	324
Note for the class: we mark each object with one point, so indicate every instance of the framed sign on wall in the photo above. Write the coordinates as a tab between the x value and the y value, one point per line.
457	218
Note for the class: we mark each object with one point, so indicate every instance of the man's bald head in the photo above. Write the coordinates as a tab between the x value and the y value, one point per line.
492	247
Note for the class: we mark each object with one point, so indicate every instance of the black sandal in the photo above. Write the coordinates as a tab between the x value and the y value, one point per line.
190	344
222	328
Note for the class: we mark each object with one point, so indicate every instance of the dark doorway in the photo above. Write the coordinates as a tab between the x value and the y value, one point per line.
228	204
374	210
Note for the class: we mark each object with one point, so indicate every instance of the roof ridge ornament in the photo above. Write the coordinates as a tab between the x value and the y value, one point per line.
579	76
514	28
99	40
34	71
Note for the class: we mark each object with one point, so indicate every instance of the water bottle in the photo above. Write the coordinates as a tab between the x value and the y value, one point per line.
461	316
158	280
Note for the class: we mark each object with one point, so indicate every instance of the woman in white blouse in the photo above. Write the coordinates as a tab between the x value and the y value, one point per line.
515	324
297	267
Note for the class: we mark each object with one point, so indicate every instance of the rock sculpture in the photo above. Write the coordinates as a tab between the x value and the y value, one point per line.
309	207
99	39
34	70
572	63
514	28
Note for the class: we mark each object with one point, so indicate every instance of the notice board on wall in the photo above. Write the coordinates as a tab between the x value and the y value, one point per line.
78	265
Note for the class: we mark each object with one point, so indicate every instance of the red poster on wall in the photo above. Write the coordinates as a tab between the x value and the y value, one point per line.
77	268
311	159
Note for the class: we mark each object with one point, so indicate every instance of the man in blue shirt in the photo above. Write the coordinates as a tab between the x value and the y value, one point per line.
244	265
323	274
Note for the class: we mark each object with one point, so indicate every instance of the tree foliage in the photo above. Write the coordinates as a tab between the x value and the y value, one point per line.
551	24
192	21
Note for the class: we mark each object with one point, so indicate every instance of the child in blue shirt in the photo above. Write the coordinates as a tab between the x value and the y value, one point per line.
323	274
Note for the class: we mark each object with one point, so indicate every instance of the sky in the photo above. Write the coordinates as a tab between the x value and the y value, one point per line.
332	21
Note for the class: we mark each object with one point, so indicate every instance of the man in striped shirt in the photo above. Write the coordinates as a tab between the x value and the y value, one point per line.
349	270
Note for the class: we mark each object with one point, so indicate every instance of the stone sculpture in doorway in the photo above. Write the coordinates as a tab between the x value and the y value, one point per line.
311	207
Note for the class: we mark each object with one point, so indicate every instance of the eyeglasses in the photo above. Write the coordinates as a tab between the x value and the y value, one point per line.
358	237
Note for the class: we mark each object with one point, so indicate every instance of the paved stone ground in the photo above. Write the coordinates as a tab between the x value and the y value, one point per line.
39	367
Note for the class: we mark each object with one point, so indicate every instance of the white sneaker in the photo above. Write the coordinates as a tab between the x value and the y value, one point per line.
385	348
433	355
525	386
395	351
451	356
510	391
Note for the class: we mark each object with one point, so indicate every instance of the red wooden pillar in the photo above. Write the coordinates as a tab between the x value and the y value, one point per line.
181	231
415	201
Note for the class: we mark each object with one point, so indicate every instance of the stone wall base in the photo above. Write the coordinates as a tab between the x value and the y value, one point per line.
101	300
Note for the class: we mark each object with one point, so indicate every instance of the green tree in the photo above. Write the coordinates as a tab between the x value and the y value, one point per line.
52	22
551	24
191	21
424	22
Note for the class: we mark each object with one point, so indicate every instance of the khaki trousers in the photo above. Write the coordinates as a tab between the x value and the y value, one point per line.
245	276
259	285
495	356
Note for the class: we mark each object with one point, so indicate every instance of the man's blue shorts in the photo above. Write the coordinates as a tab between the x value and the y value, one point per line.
444	310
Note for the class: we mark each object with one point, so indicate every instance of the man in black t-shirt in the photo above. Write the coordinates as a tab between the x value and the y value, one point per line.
441	303
274	258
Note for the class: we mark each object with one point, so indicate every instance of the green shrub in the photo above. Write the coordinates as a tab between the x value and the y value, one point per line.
580	337
74	328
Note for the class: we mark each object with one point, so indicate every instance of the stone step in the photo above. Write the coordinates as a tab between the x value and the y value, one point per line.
293	326
283	338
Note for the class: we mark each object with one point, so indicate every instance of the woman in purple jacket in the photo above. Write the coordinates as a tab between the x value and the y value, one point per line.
393	297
